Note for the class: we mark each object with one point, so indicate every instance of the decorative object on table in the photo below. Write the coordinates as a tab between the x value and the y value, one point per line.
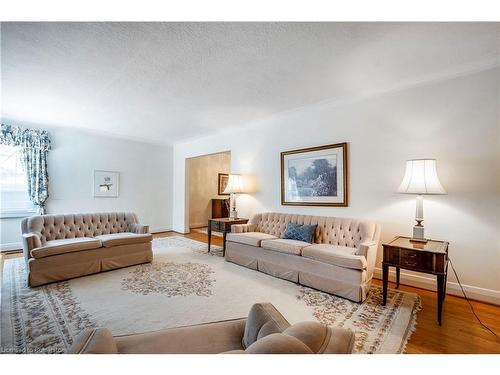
234	186
106	183
429	257
222	225
222	183
420	178
315	176
299	232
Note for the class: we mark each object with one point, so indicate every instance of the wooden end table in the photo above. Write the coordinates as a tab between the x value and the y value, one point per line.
223	226
430	257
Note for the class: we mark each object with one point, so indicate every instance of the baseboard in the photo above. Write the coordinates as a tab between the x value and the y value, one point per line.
11	246
180	233
452	288
160	229
196	226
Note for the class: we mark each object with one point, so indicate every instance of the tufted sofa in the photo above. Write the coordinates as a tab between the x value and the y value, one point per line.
340	260
60	247
265	331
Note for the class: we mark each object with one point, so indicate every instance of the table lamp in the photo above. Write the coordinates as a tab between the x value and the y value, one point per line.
420	178
234	186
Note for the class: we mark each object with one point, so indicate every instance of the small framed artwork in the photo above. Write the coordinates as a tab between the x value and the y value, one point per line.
223	179
106	183
315	176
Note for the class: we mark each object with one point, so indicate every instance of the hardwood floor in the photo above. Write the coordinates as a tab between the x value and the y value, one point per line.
459	334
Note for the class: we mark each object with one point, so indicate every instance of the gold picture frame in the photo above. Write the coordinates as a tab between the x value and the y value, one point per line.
315	176
222	183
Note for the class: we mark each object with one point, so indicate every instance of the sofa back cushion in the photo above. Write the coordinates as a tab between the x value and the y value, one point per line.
330	230
58	227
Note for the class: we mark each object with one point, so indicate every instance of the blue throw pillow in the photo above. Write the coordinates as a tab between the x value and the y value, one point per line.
299	232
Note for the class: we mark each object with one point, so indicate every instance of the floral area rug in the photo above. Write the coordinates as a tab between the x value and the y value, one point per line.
183	286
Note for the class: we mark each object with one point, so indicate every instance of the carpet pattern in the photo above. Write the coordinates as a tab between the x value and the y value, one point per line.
171	279
184	286
38	320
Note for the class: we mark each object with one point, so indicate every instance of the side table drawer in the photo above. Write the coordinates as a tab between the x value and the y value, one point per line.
412	259
216	225
417	259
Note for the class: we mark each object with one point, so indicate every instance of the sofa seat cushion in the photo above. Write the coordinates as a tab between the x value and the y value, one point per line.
249	238
285	246
67	245
125	238
338	255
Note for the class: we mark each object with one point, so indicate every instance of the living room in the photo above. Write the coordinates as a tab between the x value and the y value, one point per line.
250	188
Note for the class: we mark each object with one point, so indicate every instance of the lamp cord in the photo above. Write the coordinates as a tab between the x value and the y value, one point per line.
470	304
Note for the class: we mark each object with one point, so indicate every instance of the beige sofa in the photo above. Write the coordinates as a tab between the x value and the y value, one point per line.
265	331
60	247
340	260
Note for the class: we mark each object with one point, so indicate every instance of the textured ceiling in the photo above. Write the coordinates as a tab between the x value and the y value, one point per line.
165	82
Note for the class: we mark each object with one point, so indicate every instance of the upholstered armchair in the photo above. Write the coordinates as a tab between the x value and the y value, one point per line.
265	331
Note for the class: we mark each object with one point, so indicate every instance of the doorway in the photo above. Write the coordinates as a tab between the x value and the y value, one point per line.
204	175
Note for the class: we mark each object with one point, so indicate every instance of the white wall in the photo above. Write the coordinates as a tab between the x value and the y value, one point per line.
145	178
454	120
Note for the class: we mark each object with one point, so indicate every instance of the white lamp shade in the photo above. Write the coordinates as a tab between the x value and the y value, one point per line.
421	178
234	184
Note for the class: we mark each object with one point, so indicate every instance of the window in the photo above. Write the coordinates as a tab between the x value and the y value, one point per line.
14	198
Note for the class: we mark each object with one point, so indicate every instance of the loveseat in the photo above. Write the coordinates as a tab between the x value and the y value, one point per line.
60	247
265	331
340	260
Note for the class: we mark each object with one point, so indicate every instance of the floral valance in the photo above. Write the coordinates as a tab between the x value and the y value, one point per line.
23	137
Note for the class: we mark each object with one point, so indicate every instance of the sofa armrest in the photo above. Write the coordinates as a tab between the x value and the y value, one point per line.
322	339
369	249
242	228
263	319
139	228
365	247
94	341
30	241
278	343
341	341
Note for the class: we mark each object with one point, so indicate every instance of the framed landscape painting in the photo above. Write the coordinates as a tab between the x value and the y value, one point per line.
315	176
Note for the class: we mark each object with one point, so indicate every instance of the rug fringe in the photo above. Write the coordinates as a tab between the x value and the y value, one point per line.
413	324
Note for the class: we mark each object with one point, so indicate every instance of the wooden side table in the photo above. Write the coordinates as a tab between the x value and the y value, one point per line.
222	225
430	257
